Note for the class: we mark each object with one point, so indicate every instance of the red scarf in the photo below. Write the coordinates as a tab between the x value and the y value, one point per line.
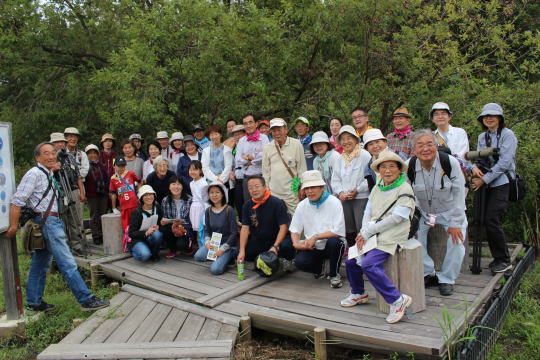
262	201
254	137
403	132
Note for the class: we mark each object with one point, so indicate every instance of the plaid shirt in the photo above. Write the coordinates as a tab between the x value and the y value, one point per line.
169	209
400	144
32	188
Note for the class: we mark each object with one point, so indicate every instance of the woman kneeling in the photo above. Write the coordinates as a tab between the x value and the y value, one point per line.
219	220
387	220
144	231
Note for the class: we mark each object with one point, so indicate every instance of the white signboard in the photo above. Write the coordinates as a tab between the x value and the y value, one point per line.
7	174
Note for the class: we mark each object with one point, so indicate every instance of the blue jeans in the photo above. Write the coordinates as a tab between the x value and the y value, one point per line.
56	246
451	266
142	250
218	266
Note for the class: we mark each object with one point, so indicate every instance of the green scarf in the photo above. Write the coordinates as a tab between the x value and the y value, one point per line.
400	180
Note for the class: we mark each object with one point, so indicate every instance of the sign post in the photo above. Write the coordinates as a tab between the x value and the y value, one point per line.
8	247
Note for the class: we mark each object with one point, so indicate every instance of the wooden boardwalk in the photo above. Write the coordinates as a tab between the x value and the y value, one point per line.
178	300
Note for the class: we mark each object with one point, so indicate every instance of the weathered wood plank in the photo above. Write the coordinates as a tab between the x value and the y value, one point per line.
111	258
220	296
11	277
130	265
210	330
153	322
171	326
131	322
107	327
192	308
161	287
195	273
166	350
191	328
228	332
79	334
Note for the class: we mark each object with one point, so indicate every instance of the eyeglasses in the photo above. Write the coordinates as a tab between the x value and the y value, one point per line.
255	187
388	167
425	145
359	117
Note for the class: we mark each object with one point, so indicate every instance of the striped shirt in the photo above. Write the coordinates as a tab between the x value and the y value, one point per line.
31	189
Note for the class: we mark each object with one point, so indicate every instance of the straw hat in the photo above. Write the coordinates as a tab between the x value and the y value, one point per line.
402	111
312	178
237	128
388	155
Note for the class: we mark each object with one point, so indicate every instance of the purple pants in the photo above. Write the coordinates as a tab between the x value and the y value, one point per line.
373	267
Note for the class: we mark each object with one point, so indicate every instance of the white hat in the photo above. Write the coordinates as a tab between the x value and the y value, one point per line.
237	128
145	189
72	130
176	136
162	135
55	137
277	122
491	109
373	134
159	160
91	147
319	137
388	155
222	186
347	129
312	178
439	106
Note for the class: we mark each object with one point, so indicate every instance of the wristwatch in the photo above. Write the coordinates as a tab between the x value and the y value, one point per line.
276	247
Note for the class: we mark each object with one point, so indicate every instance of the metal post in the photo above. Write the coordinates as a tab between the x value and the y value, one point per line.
12	280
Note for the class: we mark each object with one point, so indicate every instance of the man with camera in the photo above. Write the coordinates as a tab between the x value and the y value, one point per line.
439	186
66	172
494	173
39	191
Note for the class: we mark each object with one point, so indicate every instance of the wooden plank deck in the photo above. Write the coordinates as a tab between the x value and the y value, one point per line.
178	299
143	324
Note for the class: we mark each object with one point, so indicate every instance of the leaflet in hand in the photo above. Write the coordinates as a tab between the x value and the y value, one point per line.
215	242
370	244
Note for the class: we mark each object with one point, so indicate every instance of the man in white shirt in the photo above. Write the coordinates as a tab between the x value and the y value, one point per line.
454	138
249	151
320	218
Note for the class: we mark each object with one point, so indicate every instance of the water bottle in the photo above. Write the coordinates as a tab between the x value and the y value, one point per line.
240	268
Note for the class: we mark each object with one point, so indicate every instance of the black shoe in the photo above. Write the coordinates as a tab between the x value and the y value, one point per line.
98	241
500	267
431	280
154	258
94	303
41	307
446	289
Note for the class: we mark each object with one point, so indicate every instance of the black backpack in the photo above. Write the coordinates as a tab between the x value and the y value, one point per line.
444	158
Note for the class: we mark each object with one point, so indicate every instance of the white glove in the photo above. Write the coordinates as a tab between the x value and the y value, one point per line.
115	211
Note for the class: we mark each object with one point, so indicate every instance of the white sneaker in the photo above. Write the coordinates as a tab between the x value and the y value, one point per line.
397	309
335	281
354	299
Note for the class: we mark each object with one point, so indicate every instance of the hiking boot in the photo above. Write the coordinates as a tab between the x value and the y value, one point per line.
500	267
397	309
335	281
354	299
446	289
323	270
94	303
41	307
430	280
286	265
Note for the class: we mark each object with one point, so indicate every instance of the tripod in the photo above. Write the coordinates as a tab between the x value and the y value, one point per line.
479	205
70	212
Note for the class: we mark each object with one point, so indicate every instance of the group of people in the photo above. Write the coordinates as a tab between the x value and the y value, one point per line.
306	198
